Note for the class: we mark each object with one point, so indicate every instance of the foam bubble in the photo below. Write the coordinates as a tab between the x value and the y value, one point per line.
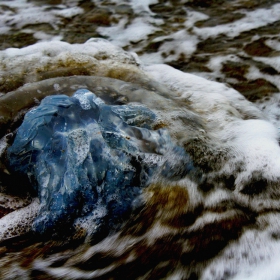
123	34
253	19
19	221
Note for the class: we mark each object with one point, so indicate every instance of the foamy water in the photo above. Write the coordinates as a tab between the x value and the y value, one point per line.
198	66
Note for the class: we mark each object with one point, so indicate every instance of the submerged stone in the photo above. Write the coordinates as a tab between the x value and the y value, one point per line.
89	161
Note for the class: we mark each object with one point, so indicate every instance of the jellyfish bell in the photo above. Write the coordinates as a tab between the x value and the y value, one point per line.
82	155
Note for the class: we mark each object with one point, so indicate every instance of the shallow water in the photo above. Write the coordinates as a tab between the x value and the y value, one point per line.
234	42
222	222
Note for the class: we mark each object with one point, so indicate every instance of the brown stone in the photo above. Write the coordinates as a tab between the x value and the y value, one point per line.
258	48
235	70
99	17
255	90
16	40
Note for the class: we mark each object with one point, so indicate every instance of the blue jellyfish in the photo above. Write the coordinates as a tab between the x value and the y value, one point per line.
89	161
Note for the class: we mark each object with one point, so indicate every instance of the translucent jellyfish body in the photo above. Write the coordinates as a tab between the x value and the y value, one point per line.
89	161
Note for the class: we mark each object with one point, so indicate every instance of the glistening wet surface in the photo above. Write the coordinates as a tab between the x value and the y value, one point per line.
232	42
193	67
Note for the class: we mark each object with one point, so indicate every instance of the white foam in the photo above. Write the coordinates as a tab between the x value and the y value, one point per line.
253	140
123	34
44	54
273	61
215	64
231	122
142	6
254	73
184	42
255	255
257	144
252	20
12	202
273	43
27	13
271	108
193	17
81	148
222	107
44	37
201	91
152	58
19	221
69	12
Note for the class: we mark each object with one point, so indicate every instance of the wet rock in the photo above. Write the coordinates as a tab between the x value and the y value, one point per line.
258	48
256	89
124	9
99	16
221	19
48	2
235	70
220	44
195	64
16	40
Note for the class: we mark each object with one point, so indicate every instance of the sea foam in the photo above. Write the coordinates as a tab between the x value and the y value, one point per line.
233	202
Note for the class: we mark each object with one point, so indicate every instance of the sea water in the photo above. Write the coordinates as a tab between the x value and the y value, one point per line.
198	65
